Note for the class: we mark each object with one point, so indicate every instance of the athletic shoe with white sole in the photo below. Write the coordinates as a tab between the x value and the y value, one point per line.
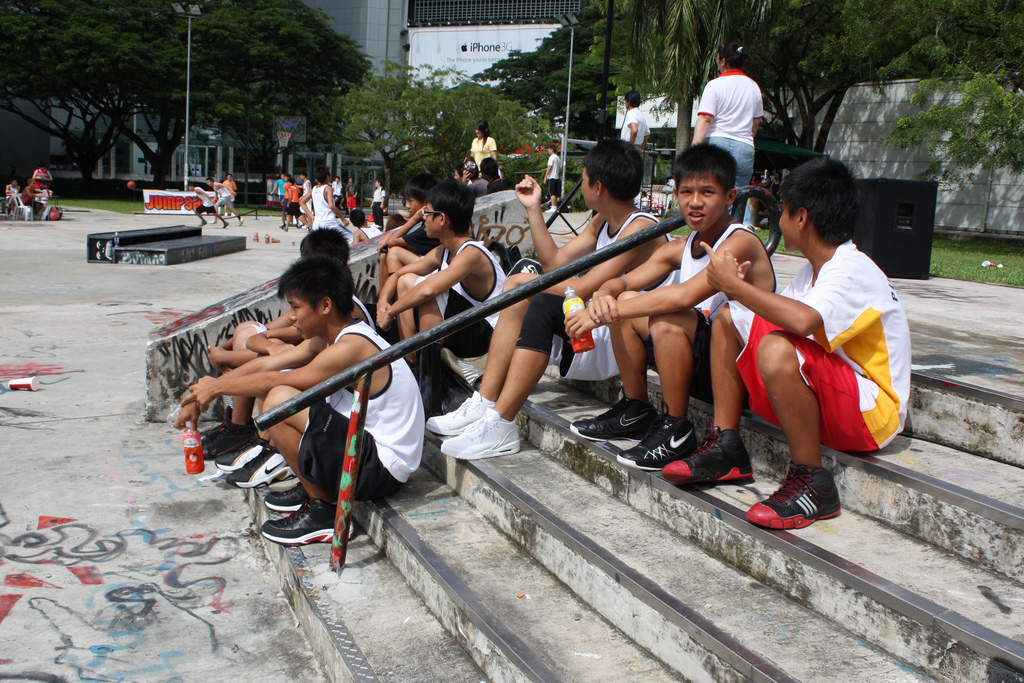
488	437
227	438
265	468
239	458
670	439
311	523
288	500
453	423
805	497
627	419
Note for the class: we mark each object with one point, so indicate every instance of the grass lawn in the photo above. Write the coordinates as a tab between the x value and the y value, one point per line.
116	205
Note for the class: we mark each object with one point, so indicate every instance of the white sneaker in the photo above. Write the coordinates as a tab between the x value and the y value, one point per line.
453	423
486	438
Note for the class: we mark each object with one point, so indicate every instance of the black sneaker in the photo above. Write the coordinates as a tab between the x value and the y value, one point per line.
627	419
263	469
312	523
670	439
288	500
805	496
232	460
226	438
720	457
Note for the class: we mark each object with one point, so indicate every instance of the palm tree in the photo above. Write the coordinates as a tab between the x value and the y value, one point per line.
674	44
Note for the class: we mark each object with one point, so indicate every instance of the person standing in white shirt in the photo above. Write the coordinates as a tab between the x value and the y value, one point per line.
553	176
634	127
377	207
730	111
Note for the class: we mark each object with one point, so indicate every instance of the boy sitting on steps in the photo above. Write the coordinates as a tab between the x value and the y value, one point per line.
828	360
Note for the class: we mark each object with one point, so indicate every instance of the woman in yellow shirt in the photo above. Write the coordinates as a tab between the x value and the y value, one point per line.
483	144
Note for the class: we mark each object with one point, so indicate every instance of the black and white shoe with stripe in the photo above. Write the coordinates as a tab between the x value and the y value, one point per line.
805	497
268	466
627	419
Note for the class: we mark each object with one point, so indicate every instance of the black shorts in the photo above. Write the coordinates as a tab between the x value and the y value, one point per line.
544	321
469	342
554	187
418	242
700	383
322	450
206	209
293	209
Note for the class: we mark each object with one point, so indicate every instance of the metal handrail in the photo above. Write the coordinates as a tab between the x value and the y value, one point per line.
423	339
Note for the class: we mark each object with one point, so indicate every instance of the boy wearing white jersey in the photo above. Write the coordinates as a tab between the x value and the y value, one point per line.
457	275
531	334
672	320
311	442
828	360
207	206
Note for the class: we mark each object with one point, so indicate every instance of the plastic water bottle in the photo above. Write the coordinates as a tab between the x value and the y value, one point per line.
193	450
572	303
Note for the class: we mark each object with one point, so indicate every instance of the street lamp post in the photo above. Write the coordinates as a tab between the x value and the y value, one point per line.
187	11
570	21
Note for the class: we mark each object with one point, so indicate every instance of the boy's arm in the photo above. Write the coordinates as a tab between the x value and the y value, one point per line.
724	274
603	306
589	283
468	261
430	262
392	238
701	129
530	195
290	357
258	384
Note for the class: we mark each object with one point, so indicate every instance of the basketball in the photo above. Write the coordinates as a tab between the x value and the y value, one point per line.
131	184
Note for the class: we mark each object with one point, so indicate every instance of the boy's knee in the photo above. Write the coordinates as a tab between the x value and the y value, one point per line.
278	395
776	357
672	325
513	281
407	282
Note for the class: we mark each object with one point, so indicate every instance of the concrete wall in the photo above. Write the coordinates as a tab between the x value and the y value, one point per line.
992	203
376	25
176	352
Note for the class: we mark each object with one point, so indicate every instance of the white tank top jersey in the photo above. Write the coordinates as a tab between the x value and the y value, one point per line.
223	192
322	208
499	277
394	416
366	314
206	198
690	266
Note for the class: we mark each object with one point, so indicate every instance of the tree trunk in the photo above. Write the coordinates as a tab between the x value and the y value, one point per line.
828	119
684	114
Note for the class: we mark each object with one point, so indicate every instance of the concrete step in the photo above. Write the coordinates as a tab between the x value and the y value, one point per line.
965	504
516	620
969	418
367	624
705	619
926	634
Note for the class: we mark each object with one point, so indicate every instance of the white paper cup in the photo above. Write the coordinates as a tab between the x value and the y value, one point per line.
25	384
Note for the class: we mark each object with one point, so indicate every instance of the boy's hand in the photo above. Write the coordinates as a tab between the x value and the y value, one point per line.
723	270
204	392
216	356
577	323
384	317
528	192
188	413
603	309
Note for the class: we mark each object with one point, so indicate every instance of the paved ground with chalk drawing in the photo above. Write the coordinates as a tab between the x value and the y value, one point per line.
114	564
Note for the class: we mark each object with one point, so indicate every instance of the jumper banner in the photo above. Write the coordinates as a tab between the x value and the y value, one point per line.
170	201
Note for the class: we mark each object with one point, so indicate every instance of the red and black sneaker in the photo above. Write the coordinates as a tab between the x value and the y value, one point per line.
805	497
721	456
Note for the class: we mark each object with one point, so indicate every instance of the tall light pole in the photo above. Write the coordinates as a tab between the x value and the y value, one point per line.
187	11
570	21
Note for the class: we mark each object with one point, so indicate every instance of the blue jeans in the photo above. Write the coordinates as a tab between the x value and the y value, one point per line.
741	152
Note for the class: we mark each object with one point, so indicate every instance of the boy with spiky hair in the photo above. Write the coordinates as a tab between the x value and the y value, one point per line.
828	360
673	320
311	443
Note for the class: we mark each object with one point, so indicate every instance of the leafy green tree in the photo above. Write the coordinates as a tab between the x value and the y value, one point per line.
114	64
538	79
973	99
426	123
673	45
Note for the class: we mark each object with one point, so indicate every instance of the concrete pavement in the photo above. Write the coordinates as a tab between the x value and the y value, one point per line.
115	564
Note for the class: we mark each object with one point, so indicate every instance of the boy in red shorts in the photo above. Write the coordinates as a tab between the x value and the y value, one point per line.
828	360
